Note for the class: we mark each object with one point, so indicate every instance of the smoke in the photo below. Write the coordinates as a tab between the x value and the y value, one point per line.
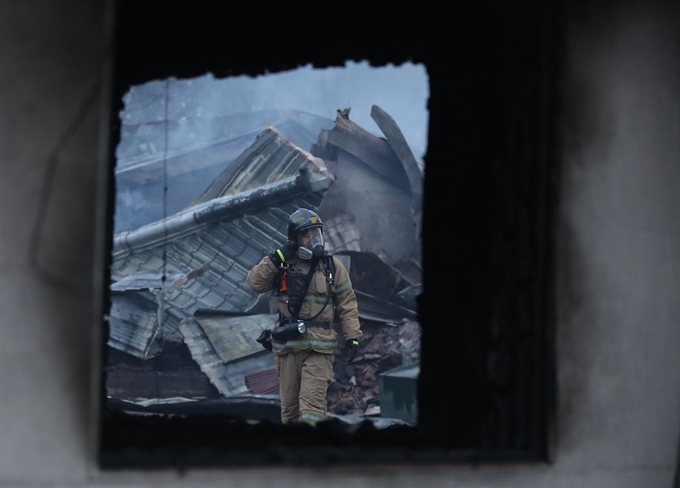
204	111
402	91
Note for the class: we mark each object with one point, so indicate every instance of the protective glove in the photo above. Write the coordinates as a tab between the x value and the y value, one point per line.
351	348
283	254
265	339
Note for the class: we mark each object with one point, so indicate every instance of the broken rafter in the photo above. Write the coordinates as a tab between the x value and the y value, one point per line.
372	150
195	219
397	141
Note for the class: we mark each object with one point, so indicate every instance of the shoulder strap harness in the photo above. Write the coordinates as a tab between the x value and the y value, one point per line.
329	271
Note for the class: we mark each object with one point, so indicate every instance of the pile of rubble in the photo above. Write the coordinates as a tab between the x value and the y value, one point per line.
381	349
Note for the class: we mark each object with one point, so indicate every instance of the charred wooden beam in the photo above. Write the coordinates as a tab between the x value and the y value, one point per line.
397	141
372	150
229	207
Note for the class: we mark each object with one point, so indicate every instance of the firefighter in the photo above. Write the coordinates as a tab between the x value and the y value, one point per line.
303	340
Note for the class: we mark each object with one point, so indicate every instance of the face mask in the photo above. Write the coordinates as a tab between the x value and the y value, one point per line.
314	248
317	248
304	253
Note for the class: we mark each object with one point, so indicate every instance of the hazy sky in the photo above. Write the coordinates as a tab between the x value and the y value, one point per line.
402	91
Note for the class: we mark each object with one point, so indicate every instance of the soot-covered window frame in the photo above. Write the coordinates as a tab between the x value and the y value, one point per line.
486	387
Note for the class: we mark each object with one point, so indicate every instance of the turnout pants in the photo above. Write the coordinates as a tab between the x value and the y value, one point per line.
304	377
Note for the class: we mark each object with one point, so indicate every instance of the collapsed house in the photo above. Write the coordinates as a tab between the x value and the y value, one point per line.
187	154
180	301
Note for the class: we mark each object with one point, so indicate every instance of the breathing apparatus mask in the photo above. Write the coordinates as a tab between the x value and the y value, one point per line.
310	243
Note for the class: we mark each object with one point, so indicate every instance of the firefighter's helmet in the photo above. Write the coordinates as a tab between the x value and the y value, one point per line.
302	219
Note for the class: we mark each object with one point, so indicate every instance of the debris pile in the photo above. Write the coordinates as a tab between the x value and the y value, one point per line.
367	189
381	349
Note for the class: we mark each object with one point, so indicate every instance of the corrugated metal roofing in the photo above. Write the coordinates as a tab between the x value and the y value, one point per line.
271	158
229	379
133	323
265	382
132	319
342	233
231	248
190	221
224	237
145	281
234	337
410	271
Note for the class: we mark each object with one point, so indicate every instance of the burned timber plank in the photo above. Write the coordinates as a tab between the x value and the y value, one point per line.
397	141
372	150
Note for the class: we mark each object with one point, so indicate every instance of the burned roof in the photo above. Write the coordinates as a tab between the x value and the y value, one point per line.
139	313
199	258
228	377
132	321
372	150
271	158
205	218
233	336
217	140
341	233
264	382
231	234
198	150
222	237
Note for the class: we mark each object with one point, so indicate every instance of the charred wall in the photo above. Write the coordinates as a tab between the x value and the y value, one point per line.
382	211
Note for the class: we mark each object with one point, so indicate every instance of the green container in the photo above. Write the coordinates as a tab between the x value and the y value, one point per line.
399	393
